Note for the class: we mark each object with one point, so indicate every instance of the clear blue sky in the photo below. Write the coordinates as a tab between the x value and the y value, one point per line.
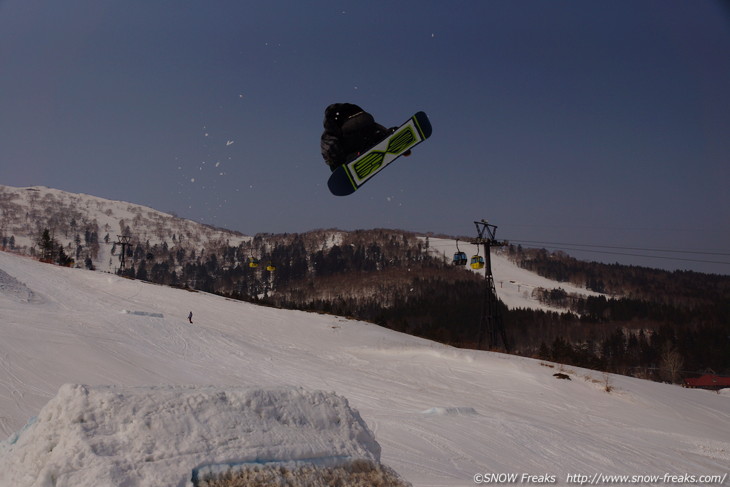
581	122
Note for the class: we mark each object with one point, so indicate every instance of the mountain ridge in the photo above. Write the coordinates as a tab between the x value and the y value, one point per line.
87	226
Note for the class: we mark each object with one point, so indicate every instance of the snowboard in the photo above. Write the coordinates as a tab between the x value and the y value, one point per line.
348	178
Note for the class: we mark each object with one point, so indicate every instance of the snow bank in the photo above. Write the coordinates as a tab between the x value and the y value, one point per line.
170	435
13	288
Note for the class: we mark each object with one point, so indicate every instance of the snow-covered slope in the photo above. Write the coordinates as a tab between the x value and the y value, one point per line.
442	416
117	435
513	284
26	212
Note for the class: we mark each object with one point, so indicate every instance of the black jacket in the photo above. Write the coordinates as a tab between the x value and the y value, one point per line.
348	131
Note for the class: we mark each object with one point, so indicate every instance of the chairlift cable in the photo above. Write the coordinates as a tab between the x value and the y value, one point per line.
590	248
642	249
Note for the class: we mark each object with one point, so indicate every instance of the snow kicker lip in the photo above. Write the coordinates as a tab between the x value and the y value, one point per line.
333	471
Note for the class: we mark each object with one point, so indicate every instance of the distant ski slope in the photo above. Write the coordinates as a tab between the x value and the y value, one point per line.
514	285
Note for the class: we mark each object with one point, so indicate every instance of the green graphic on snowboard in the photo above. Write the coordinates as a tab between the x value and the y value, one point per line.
397	143
346	179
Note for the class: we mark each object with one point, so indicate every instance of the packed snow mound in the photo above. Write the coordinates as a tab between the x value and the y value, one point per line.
15	289
171	435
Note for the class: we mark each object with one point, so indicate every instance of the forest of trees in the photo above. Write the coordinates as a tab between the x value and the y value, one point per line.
659	325
682	288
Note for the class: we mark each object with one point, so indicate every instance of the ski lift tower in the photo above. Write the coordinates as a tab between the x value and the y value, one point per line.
123	240
491	326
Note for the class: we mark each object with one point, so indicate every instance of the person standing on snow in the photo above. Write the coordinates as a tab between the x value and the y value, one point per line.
190	317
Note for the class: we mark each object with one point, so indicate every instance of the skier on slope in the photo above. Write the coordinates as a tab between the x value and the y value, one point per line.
348	132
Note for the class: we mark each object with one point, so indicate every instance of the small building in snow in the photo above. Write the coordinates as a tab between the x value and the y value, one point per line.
708	381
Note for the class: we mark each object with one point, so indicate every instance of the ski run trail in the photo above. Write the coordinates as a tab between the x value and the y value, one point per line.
81	349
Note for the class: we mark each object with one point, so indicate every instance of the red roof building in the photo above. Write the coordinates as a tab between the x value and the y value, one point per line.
708	381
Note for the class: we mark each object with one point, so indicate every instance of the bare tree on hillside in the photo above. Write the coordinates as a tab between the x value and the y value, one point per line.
671	363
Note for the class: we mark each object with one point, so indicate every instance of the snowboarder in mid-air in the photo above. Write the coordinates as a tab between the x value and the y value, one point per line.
356	148
348	132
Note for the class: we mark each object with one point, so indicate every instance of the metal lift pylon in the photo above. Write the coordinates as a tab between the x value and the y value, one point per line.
491	326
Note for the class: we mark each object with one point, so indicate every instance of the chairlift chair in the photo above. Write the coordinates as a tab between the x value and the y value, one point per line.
253	262
459	256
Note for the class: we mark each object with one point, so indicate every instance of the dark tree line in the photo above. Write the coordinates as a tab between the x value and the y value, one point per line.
678	288
664	325
51	251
